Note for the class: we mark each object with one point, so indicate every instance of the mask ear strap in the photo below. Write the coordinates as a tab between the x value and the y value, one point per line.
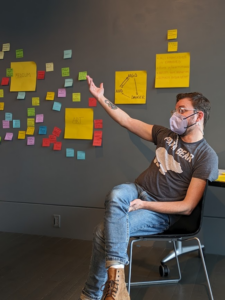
191	115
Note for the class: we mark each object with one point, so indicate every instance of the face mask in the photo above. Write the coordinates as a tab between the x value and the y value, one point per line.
179	124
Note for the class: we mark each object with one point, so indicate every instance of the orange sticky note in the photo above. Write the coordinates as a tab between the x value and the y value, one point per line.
92	102
97	141
98	124
57	146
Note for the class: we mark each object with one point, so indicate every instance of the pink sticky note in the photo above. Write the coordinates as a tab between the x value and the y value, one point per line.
30	140
8	136
98	123
61	93
40	118
92	102
5	124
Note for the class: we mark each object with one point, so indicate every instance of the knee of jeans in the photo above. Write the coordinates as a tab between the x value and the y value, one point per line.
99	232
116	195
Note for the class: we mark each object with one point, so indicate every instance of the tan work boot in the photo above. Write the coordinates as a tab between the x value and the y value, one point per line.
115	286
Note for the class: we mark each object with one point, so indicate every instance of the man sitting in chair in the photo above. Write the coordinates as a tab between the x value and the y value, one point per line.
172	185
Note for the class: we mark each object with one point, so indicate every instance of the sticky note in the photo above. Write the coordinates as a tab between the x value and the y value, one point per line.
5	81
6	47
57	146
40	118
8	136
30	131
65	72
30	122
92	102
1	55
56	131
0	139
31	112
30	140
97	140
35	101
68	82
16	123
98	124
45	142
1	93
41	75
172	34
19	53
42	130
21	135
24	76
67	54
172	46
56	106
49	67
9	72
8	116
80	155
2	105
21	95
5	124
69	152
52	139
82	75
76	97
61	93
50	96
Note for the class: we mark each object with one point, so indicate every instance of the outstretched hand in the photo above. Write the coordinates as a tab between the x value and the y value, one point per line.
136	204
97	92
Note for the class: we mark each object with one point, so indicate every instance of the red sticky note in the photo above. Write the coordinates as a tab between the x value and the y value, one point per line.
57	146
92	102
5	81
52	139
98	123
45	142
97	141
41	75
56	131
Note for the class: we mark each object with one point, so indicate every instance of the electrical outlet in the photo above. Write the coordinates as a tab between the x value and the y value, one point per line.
57	221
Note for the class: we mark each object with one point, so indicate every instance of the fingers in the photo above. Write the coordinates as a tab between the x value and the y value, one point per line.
101	86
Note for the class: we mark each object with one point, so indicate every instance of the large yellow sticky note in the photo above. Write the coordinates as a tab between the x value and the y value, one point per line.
24	76
79	123
21	135
172	34
130	87
172	46
2	105
172	70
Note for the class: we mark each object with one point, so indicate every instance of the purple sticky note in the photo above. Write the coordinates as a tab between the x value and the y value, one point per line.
5	124
40	118
30	140
61	93
8	136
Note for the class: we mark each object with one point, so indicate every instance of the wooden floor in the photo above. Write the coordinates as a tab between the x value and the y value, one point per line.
39	267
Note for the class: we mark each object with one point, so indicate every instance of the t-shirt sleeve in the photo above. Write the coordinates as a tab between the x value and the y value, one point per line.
158	132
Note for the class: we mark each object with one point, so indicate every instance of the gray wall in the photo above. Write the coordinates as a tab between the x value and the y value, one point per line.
105	36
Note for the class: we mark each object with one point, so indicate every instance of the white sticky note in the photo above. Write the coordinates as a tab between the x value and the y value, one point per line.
1	54
6	47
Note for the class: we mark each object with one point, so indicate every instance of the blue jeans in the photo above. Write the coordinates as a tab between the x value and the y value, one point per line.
111	237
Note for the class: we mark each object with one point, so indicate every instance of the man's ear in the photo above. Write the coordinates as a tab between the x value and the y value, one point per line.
200	116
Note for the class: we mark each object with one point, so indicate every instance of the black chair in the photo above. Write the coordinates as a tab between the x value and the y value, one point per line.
185	229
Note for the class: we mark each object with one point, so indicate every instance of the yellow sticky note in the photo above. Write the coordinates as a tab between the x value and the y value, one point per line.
30	131
24	76
76	97
21	135
1	54
35	101
2	105
30	122
1	93
172	46
50	96
6	47
79	123
172	70
49	67
172	34
130	87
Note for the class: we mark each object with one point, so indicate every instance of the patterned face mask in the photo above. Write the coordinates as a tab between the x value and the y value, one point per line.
179	124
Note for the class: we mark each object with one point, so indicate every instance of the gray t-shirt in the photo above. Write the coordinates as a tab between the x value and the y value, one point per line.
176	162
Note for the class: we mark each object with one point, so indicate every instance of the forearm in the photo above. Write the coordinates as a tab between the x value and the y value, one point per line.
176	207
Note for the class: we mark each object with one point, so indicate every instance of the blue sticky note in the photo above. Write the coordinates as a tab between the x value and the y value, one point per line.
69	152
16	123
8	116
21	95
42	130
56	106
68	82
67	54
80	155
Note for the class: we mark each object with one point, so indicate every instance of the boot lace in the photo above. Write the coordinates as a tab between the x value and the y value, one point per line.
111	288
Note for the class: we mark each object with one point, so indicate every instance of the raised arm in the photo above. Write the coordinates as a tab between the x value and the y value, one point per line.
140	128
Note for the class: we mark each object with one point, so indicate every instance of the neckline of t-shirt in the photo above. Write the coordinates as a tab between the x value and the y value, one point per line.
194	143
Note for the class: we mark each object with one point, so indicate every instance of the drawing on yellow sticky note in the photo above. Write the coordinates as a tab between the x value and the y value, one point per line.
79	123
24	76
130	87
172	70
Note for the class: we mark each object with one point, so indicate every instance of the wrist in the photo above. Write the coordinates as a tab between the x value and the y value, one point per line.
101	98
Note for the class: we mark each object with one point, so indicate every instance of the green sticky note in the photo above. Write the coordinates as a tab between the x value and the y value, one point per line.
9	72
65	72
19	53
68	82
0	139
82	75
31	112
76	97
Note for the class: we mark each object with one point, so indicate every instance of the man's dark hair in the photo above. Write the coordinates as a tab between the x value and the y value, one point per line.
199	102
